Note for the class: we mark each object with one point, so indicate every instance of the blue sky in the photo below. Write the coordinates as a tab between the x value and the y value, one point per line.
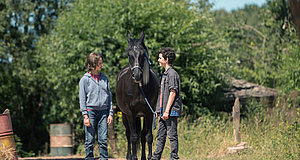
229	5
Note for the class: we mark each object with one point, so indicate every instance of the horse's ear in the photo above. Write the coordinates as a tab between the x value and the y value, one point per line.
142	36
128	36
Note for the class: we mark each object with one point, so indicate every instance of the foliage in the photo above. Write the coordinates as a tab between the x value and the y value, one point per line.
21	87
263	44
101	26
270	133
273	130
43	45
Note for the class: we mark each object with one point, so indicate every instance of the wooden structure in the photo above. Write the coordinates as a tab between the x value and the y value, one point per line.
238	92
245	90
236	120
238	148
236	130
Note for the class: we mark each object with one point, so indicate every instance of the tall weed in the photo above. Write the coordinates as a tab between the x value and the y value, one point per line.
271	133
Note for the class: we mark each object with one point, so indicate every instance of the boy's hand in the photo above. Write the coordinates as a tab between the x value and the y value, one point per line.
86	121
109	119
165	115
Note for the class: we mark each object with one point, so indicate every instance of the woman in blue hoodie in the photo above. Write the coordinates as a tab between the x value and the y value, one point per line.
95	105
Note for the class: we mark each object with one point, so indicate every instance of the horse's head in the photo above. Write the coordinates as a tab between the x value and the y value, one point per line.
138	59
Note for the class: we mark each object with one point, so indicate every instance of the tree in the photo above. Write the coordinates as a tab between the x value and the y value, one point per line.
21	90
263	45
101	26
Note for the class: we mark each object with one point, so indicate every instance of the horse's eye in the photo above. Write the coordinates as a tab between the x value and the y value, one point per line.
130	54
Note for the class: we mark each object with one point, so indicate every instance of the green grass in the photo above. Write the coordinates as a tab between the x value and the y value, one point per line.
272	133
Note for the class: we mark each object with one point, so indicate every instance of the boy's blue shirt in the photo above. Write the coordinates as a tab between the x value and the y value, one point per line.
172	114
95	95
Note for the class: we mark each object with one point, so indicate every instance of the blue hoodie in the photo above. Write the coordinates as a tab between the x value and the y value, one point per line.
94	95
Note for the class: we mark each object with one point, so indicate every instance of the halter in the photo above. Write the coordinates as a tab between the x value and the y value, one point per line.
137	65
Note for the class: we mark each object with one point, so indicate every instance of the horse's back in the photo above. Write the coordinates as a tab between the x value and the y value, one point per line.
120	85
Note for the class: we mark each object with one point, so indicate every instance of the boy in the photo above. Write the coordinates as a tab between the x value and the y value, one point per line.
168	105
95	105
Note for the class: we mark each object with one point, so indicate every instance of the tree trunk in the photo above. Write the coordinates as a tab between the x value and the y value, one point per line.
295	8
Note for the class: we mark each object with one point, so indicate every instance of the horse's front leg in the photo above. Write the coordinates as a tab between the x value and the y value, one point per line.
133	136
148	134
126	124
128	155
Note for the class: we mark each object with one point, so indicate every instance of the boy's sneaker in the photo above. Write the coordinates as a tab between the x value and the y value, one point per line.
154	158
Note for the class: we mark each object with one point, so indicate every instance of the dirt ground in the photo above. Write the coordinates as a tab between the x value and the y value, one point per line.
62	158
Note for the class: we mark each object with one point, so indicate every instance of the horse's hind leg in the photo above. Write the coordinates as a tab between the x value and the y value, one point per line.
126	124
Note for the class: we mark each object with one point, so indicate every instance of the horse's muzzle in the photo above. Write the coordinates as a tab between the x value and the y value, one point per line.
137	73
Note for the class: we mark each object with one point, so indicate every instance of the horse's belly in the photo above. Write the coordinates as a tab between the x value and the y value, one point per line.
140	114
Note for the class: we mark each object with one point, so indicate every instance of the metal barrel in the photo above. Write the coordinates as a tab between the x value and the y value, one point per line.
7	142
60	139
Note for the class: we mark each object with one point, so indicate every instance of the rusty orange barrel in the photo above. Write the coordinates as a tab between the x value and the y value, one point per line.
60	139
7	142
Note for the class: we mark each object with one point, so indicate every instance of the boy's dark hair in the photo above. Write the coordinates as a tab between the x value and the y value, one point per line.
168	53
92	60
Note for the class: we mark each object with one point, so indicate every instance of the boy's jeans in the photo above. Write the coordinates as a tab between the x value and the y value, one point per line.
98	120
167	127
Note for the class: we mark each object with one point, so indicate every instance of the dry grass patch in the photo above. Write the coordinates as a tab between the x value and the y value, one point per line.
6	153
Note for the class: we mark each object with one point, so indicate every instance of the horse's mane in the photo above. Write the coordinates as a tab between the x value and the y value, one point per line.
153	71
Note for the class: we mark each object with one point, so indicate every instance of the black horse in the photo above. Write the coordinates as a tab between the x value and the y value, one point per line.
132	81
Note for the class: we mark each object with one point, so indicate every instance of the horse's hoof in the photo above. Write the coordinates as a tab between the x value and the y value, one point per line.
134	158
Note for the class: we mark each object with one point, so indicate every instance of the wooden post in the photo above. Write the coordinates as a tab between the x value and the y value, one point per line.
236	120
46	148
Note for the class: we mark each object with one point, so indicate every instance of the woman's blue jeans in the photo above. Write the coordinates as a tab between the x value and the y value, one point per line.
98	120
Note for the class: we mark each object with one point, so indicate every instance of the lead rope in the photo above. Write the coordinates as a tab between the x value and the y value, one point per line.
154	120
